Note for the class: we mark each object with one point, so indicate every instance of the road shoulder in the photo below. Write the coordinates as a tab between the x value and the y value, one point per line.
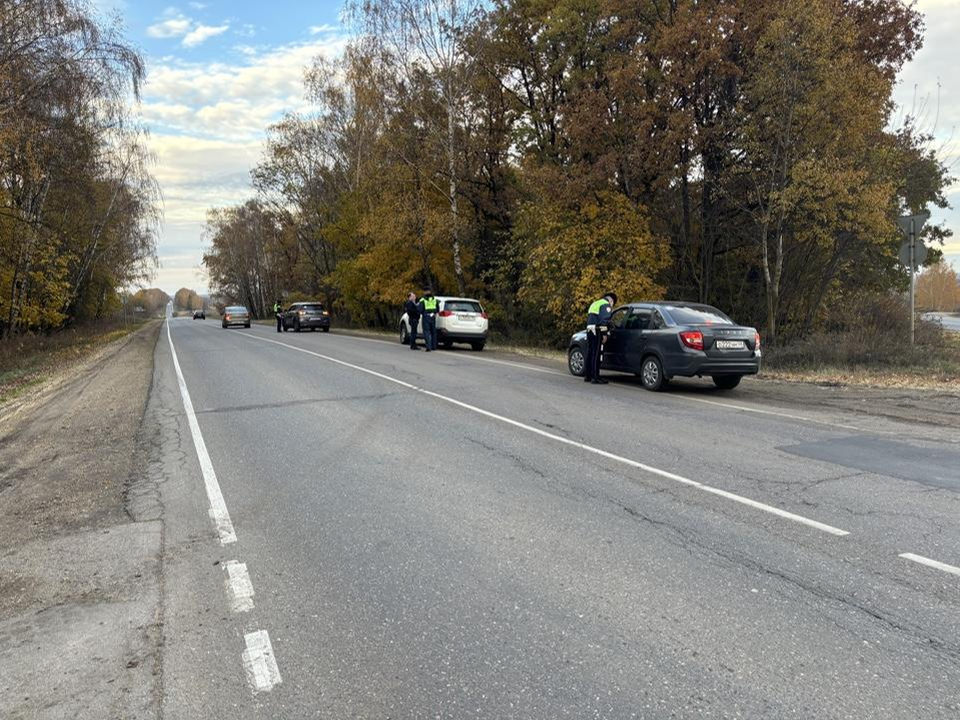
80	576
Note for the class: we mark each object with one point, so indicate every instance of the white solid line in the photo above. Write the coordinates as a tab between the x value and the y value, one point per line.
218	508
239	586
703	401
582	446
260	663
952	569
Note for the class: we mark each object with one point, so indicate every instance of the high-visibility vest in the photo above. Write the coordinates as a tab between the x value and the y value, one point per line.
276	307
430	304
595	307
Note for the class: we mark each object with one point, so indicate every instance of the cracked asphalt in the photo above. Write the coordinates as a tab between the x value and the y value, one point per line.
414	559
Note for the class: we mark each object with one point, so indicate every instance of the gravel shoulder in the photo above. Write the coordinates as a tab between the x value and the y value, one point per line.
80	572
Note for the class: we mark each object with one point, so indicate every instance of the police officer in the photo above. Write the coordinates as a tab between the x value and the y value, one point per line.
428	313
276	311
597	317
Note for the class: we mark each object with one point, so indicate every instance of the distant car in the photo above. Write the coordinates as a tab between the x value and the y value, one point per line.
235	315
459	320
661	340
198	315
306	316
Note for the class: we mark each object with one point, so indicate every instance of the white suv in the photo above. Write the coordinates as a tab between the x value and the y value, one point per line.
460	320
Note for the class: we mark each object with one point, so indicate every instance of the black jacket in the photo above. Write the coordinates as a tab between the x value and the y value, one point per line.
412	309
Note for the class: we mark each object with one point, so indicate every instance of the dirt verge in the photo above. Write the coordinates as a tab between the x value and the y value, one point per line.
79	578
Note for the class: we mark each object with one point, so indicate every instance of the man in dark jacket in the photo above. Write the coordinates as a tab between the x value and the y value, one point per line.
412	308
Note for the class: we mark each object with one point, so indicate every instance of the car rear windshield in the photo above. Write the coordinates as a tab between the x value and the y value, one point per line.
463	306
316	307
236	310
697	315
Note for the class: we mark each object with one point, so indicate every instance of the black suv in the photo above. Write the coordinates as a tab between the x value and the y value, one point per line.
661	340
306	315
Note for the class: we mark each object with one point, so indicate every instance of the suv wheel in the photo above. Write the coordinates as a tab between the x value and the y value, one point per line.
404	334
576	362
477	345
726	382
651	374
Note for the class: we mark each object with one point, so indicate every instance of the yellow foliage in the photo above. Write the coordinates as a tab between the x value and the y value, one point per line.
577	255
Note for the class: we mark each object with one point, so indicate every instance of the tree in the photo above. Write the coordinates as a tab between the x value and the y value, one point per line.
938	288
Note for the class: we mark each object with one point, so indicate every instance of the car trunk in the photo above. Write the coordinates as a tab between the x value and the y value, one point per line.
726	341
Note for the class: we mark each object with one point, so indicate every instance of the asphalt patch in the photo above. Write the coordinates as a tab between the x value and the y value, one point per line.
935	467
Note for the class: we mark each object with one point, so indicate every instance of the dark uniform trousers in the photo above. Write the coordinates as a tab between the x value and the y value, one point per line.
592	369
430	330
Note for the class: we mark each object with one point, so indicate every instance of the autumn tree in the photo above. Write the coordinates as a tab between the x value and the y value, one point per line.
938	288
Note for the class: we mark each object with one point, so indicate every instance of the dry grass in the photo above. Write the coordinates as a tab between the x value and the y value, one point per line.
27	360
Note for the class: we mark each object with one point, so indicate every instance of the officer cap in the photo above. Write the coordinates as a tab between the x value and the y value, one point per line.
612	296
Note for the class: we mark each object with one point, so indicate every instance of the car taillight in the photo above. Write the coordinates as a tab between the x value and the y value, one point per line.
446	313
692	339
484	316
226	317
326	314
756	342
301	313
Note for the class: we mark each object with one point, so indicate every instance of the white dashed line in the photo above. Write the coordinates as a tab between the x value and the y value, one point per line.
573	443
259	662
952	569
218	508
239	587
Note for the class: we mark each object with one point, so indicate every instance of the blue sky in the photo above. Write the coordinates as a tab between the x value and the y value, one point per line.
220	72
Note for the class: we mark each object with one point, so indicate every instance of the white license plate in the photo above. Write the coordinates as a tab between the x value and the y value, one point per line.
730	345
467	318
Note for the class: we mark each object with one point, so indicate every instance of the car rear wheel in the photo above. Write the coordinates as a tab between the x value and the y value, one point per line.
404	334
246	325
477	345
651	374
326	329
726	382
447	344
576	362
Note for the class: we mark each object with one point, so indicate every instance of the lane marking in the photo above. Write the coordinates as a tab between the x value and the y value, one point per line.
239	587
704	401
573	443
952	569
218	508
259	662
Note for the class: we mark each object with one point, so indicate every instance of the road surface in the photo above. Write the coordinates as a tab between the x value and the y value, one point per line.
949	321
353	530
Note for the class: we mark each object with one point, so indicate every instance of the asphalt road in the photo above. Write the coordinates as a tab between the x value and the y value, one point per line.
949	321
472	535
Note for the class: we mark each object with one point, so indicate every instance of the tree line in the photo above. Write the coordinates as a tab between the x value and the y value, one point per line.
536	154
78	205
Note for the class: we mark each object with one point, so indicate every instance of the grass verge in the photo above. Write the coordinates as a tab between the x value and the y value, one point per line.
26	361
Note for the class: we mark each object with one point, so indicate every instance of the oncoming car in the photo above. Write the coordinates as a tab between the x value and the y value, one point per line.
199	315
235	315
661	340
305	316
459	320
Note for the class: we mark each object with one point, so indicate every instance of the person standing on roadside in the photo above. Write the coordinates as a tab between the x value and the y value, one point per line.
597	317
276	311
428	312
412	308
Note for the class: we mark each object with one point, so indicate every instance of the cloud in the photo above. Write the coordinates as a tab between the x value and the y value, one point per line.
177	24
174	27
325	28
202	33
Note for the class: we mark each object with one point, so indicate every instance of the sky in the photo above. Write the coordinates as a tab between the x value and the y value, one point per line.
220	71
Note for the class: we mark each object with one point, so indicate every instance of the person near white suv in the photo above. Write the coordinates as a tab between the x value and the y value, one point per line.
458	320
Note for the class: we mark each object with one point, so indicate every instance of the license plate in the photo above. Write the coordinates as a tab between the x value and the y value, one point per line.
467	318
730	345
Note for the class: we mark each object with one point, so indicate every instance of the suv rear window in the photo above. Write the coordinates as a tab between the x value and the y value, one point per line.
463	306
313	307
697	315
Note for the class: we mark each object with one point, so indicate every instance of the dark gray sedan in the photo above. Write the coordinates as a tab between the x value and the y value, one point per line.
661	340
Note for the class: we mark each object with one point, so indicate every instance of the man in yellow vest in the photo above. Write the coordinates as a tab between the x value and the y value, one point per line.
428	313
597	317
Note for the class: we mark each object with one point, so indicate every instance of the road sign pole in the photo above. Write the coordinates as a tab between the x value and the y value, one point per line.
913	276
